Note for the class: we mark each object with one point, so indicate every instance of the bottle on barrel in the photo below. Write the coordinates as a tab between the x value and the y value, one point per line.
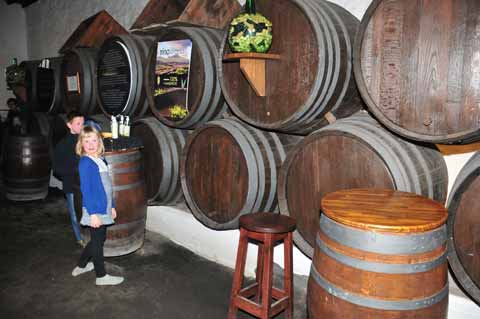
114	127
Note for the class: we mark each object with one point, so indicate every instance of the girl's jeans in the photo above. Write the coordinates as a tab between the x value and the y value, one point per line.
73	216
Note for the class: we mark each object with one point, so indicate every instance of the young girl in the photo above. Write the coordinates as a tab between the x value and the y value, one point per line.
98	209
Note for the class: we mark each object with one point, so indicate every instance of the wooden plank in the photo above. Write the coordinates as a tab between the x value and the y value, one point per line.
93	31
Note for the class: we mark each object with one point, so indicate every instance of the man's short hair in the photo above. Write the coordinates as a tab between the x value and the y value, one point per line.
73	114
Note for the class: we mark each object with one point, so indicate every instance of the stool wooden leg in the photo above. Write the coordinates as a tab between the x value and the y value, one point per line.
239	272
267	277
259	272
288	275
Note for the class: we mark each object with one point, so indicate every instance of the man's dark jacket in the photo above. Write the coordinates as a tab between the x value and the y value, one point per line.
65	161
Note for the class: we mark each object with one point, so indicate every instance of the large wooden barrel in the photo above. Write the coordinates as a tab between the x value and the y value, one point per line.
79	80
121	66
128	232
205	98
229	169
464	228
313	80
43	85
379	254
353	152
161	157
26	168
416	67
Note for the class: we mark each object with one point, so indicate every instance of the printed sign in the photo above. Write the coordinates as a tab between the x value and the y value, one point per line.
171	78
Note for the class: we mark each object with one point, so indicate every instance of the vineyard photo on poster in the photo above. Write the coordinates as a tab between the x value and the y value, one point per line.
171	78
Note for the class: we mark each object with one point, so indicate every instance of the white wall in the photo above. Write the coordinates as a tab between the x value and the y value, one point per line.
13	43
51	22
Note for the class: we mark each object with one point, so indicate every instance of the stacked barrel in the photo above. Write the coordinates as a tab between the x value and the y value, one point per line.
420	91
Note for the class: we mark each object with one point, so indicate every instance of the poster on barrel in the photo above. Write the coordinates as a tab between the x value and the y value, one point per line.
171	78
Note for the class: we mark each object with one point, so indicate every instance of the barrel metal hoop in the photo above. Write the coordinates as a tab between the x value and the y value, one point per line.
19	180
127	186
379	267
124	170
412	304
123	158
388	244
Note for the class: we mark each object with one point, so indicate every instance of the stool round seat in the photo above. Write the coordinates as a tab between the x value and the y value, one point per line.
269	223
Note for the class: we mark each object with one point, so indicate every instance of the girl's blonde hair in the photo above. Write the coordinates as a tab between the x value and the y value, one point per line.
86	132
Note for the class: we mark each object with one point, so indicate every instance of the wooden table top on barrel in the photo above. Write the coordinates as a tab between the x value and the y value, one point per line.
384	210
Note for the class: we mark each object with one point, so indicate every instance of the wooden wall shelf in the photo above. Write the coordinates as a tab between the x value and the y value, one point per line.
252	66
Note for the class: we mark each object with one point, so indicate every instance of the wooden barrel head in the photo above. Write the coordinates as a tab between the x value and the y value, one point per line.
290	80
384	210
116	74
78	80
467	231
159	103
464	228
215	154
162	148
365	168
152	157
355	152
416	64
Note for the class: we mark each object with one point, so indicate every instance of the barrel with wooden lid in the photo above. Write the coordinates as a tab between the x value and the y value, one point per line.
416	66
121	66
379	253
464	228
229	169
356	152
312	83
161	159
79	80
205	99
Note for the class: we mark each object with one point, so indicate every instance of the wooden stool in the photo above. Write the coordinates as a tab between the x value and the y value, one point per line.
266	230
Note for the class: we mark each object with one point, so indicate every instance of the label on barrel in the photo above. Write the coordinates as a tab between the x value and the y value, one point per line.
114	77
73	84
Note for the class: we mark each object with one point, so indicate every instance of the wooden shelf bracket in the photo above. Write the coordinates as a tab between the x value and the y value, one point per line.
252	66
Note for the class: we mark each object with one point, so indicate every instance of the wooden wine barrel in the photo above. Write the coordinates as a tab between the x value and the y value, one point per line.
205	98
128	232
312	81
161	157
379	254
26	168
409	75
43	85
121	66
351	153
229	169
79	80
463	228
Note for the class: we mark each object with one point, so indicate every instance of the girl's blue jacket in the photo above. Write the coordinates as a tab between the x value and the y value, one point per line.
94	198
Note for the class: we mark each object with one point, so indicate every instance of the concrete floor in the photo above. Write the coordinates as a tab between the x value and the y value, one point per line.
163	280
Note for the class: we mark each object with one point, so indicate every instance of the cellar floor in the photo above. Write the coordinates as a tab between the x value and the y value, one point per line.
163	280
